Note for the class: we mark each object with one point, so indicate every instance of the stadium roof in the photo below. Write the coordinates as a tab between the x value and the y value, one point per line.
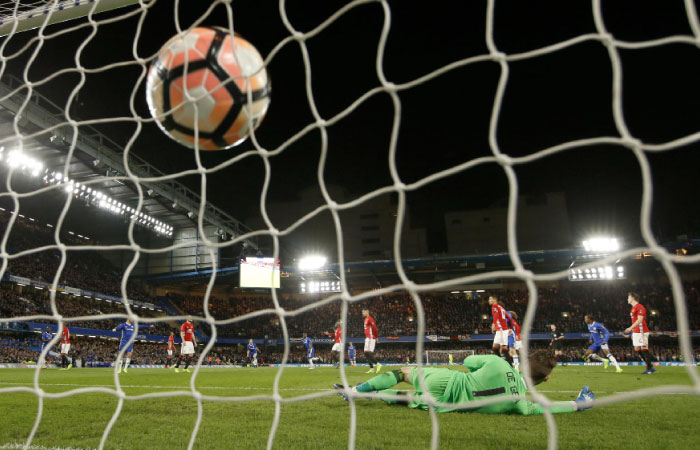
98	161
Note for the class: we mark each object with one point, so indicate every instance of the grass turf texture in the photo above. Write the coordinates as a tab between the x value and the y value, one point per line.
78	421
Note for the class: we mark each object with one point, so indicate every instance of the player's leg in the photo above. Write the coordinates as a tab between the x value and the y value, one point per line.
68	358
128	357
179	360
612	359
369	354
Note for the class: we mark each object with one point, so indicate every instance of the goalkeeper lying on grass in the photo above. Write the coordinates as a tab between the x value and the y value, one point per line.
489	376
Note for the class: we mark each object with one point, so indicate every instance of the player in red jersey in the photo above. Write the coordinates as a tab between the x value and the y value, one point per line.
171	347
370	342
337	344
188	343
640	331
66	364
500	329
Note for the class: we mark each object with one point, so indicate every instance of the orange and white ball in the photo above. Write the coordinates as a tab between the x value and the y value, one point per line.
200	83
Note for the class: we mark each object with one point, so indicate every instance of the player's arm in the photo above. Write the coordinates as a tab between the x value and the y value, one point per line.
476	362
606	334
634	325
119	327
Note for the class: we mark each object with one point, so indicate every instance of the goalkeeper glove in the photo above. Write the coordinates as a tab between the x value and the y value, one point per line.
585	399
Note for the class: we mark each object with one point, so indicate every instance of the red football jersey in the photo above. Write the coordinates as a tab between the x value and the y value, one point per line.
499	317
171	343
188	329
517	330
65	336
370	328
338	332
638	311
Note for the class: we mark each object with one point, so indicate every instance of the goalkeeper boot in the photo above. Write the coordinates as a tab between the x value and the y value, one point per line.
70	366
339	388
585	398
606	363
119	371
378	368
187	370
371	370
177	370
125	370
618	370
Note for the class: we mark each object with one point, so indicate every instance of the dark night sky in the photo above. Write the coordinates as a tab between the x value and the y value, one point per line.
549	100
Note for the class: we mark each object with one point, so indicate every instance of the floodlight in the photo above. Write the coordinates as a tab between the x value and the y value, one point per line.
601	245
314	262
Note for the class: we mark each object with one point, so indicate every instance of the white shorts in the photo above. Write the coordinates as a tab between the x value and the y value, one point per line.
337	347
187	348
369	344
518	345
170	353
65	348
640	340
501	338
604	347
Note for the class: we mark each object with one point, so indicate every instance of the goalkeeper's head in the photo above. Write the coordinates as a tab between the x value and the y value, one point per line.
542	363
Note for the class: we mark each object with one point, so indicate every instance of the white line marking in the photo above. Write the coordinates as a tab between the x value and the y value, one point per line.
257	388
36	447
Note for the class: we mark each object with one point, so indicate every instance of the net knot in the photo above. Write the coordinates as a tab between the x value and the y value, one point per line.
632	143
607	39
498	56
504	159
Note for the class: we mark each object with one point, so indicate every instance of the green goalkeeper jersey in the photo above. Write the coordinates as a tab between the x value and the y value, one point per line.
489	376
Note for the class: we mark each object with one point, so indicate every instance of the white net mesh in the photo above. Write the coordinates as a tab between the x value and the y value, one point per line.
30	49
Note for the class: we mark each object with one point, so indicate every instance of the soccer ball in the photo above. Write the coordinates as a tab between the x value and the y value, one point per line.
200	81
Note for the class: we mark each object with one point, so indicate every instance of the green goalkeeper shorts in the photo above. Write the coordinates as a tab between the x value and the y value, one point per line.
436	380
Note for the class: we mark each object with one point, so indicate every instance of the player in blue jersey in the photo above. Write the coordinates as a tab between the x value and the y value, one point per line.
252	353
310	351
351	354
599	342
46	337
513	339
127	329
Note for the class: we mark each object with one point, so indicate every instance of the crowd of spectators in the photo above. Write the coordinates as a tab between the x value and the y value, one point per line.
82	269
18	301
448	314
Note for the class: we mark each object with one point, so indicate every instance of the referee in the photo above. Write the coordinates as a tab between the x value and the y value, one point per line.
557	343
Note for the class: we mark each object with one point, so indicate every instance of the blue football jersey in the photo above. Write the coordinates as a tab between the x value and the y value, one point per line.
598	332
127	330
307	342
252	349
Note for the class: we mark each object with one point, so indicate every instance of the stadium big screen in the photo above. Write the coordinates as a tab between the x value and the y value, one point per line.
258	272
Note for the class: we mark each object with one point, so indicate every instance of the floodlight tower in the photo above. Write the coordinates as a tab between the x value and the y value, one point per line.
597	247
316	276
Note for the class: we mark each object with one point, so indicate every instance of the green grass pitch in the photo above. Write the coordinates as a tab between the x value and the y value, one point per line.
78	421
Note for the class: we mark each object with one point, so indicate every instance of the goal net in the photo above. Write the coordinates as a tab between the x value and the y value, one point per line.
447	357
393	99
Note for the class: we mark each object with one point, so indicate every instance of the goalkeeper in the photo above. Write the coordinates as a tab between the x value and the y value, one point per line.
489	376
